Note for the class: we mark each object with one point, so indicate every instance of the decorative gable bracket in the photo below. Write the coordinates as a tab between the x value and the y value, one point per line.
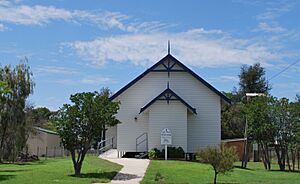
168	95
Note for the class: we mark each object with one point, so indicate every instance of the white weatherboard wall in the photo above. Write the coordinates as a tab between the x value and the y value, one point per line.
132	100
204	129
172	116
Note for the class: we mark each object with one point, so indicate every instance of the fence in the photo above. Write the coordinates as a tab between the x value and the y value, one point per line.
47	151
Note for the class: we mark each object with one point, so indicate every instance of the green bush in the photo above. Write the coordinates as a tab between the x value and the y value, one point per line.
173	152
220	158
154	153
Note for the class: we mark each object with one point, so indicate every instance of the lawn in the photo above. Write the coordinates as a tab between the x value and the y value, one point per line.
59	170
196	173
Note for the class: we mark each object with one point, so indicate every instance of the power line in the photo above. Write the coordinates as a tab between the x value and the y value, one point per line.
285	69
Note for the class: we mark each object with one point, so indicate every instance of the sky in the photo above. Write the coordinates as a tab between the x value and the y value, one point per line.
84	45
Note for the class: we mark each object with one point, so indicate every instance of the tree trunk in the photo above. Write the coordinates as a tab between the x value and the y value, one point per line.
77	163
4	129
293	152
215	178
288	159
280	153
264	155
77	168
298	155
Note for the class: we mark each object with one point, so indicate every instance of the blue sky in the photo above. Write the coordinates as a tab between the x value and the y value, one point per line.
76	46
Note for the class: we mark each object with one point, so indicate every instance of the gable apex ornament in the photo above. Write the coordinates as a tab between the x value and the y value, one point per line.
169	47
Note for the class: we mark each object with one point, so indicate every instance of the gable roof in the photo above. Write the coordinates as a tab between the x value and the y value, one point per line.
168	95
185	68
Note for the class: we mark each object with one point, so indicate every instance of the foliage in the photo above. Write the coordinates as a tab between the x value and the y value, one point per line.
233	118
58	170
14	127
260	124
81	122
252	80
4	90
173	152
175	171
220	158
154	153
276	122
286	117
298	98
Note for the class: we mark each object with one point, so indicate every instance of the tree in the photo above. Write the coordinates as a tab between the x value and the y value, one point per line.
287	125
232	119
81	122
260	125
220	158
13	125
252	80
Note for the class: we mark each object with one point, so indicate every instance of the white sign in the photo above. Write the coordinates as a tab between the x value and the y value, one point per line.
165	137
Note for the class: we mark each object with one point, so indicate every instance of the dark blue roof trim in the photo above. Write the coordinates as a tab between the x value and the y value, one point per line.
169	56
167	96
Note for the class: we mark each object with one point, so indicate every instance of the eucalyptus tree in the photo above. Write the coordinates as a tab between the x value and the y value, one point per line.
13	121
81	122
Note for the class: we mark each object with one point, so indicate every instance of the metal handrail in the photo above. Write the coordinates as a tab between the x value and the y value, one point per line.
100	148
145	133
137	143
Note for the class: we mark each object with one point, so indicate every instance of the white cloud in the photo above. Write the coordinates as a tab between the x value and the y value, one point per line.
197	47
89	80
96	80
41	15
2	27
270	28
55	70
276	10
229	78
224	78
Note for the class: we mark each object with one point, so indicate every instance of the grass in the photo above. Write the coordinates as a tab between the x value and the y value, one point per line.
58	170
195	173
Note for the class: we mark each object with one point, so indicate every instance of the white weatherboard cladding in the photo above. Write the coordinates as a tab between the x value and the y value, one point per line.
172	116
132	100
203	128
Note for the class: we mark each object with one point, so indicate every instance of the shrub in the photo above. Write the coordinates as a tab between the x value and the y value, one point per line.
220	158
154	153
174	152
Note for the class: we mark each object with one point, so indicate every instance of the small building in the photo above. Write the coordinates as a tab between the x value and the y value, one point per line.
238	144
44	142
167	95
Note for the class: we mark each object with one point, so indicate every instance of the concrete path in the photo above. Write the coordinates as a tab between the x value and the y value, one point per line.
133	169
